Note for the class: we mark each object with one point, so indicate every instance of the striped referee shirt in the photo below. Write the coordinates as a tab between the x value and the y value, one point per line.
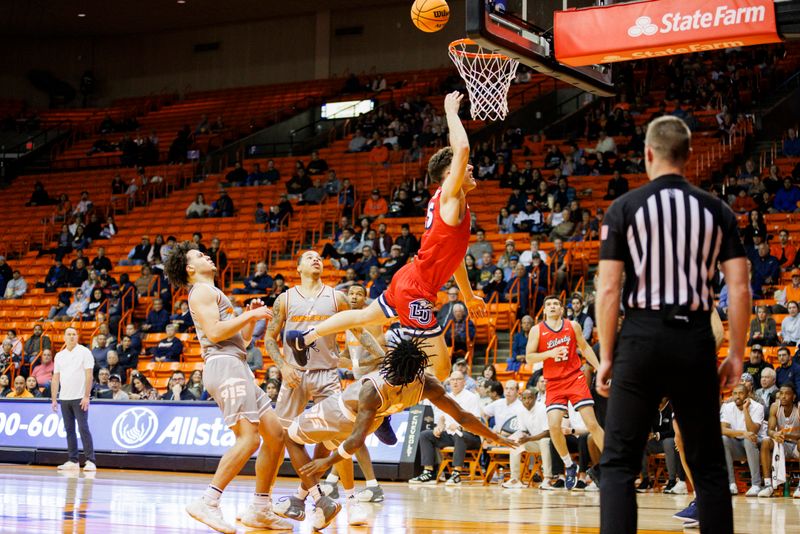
670	236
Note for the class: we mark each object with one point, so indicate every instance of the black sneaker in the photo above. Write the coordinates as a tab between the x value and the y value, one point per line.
427	478
594	474
295	342
669	486
454	479
385	432
558	484
644	485
579	486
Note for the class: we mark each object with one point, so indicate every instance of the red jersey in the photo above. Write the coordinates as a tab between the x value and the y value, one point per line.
443	247
559	368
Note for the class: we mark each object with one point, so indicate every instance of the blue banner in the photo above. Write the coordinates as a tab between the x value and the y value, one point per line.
187	428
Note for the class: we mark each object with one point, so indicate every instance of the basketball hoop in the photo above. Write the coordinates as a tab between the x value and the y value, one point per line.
488	76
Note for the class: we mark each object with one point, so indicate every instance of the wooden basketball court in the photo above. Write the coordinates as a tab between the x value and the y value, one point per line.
40	499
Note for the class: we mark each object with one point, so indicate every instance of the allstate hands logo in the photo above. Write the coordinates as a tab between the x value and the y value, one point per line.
134	427
643	26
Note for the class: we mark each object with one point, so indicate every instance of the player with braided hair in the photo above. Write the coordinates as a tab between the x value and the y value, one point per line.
343	422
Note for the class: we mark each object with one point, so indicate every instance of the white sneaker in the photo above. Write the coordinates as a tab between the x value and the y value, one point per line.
513	484
680	488
591	487
766	492
69	466
753	491
796	494
89	466
210	516
734	489
264	518
356	513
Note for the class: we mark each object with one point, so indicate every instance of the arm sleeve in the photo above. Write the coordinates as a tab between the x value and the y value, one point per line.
731	245
613	244
88	359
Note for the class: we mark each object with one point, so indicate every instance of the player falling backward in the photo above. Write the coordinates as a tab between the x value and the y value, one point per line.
343	422
555	341
413	289
227	378
310	375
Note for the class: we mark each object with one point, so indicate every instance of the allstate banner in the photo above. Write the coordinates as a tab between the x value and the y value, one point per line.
639	30
188	428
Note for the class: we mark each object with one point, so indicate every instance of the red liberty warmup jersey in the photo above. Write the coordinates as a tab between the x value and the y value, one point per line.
443	247
569	365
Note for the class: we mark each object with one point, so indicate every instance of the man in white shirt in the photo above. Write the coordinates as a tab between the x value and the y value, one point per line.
504	409
16	287
534	423
741	420
447	433
527	257
790	327
72	374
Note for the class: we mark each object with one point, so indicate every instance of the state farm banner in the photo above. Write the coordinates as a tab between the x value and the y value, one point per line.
657	28
187	428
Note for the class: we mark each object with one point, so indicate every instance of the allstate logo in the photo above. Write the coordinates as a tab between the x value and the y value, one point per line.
134	427
643	26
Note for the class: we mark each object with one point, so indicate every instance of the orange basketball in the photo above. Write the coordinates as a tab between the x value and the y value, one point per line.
430	15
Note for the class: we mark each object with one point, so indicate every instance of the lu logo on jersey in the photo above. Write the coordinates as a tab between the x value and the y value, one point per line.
420	310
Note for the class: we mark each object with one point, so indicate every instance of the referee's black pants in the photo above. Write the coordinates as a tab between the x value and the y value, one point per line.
655	359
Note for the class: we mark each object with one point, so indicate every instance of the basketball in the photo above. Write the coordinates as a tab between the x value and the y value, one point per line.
430	15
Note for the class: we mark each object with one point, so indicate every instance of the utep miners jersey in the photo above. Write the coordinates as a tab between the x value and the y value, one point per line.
559	368
234	345
304	312
443	247
393	398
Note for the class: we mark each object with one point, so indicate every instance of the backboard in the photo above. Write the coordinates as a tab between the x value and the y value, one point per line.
522	29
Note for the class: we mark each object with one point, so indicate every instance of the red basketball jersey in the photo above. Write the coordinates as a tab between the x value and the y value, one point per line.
559	369
443	247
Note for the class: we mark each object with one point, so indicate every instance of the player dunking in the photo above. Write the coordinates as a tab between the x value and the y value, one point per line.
311	375
555	341
413	289
362	360
227	378
346	420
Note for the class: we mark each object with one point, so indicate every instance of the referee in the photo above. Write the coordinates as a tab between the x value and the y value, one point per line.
667	237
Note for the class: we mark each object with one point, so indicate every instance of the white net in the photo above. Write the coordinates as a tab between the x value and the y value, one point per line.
488	76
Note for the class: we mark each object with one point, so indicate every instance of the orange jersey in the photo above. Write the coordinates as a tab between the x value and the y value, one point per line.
563	367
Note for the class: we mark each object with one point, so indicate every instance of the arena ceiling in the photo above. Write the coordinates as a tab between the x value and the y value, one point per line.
60	18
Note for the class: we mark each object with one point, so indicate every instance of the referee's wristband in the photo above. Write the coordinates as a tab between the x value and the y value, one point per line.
343	453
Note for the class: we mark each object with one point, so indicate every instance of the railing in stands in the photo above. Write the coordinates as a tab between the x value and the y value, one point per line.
491	348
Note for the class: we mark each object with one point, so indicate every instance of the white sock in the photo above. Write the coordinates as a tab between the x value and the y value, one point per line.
212	495
315	493
301	493
311	336
567	460
333	478
372	483
261	500
350	494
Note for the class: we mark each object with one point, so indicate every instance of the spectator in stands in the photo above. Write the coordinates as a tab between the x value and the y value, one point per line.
376	206
347	198
580	316
7	356
16	287
144	283
182	318
784	250
763	330
100	352
561	264
198	207
756	365
272	388
176	389
534	438
407	241
375	284
357	143
223	206
78	274
367	261
114	365
39	197
447	433
617	186
786	198
168	349
505	221
141	389
101	387
84	205
255	360
138	254
43	371
741	421
271	175
565	228
343	251
314	195
259	283
101	262
56	276
781	435
519	344
661	439
743	203
95	305
788	371
64	311
157	318
256	177
20	390
298	183
480	246
332	185
445	313
789	293
35	343
4	384
261	216
114	391
766	268
316	165
110	228
393	263
128	355
487	269
605	145
218	255
195	386
496	286
462	332
350	278
504	408
767	392
790	326
791	144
